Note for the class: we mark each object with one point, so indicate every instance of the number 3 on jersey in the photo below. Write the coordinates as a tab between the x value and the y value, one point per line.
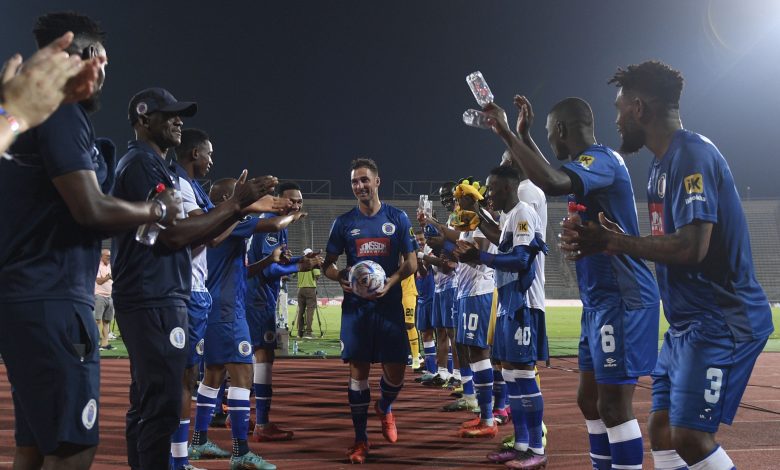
712	393
523	336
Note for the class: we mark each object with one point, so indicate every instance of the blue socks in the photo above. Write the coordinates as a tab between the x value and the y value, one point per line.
389	392
359	399
483	385
238	408
429	349
499	390
466	378
207	402
179	444
625	444
600	454
516	405
263	392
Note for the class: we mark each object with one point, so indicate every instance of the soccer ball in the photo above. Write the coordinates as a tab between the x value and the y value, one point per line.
366	277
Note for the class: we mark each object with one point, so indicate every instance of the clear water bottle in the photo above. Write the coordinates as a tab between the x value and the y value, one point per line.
475	118
295	348
147	233
480	88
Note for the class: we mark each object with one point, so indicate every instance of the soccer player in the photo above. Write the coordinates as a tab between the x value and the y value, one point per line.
50	249
372	330
475	295
423	279
719	317
409	301
619	295
152	284
520	336
263	295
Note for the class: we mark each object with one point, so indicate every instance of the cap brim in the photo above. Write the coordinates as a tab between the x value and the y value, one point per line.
182	108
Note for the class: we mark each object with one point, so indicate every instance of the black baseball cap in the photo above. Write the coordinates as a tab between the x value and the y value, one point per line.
157	99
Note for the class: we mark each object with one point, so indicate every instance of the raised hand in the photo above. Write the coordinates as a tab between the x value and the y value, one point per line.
525	117
269	203
497	118
247	192
580	240
466	252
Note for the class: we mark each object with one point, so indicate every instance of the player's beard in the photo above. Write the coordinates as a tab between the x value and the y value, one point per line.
92	104
633	138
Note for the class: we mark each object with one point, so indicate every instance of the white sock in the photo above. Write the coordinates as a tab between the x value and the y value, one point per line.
668	460
717	460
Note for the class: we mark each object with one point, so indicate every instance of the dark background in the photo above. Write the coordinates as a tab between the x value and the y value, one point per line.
299	88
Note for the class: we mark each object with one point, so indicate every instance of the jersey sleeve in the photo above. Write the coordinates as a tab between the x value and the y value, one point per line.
188	200
695	178
139	178
595	170
523	226
254	253
65	143
408	240
335	244
245	228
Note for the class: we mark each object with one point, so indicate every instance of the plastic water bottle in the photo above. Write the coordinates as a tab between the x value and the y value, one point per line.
475	118
147	233
295	348
480	88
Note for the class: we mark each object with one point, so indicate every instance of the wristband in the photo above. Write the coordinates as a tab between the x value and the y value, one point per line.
163	210
15	126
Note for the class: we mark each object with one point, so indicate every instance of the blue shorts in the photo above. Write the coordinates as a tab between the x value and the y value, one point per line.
262	328
521	337
197	316
474	313
701	379
444	308
617	344
425	315
228	343
50	349
373	333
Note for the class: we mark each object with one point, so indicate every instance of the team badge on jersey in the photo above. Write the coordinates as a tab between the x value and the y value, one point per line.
388	228
178	338
661	187
372	246
244	348
89	414
694	183
585	160
522	226
199	347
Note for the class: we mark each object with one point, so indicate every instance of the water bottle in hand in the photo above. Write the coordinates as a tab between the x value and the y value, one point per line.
475	118
480	88
147	233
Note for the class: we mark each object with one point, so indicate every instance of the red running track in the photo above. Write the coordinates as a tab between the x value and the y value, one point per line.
310	398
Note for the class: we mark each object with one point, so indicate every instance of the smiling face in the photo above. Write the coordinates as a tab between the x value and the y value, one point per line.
628	125
295	197
203	161
165	129
365	184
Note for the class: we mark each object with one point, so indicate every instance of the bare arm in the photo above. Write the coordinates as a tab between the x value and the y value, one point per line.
91	208
100	280
525	153
256	268
333	273
407	268
687	246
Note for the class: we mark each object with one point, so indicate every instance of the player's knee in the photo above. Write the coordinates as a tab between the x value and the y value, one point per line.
587	404
613	412
658	430
692	445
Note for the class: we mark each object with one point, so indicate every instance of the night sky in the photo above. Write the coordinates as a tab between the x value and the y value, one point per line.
297	89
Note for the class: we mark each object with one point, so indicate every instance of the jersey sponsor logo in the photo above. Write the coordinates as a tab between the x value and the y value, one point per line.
661	186
272	239
178	338
354	232
199	347
585	160
522	226
89	414
388	228
656	218
372	247
694	184
244	348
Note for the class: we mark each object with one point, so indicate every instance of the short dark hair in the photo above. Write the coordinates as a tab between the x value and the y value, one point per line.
286	186
506	172
53	25
190	139
364	163
573	111
448	186
652	78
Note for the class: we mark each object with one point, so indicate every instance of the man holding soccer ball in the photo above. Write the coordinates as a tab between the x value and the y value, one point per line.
372	320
